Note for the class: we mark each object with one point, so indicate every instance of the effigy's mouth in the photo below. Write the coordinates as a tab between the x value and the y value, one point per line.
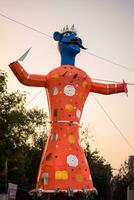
74	42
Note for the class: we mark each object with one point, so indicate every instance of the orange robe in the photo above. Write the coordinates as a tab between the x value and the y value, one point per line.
63	164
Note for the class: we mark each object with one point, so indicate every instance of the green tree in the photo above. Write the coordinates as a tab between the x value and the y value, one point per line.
19	133
101	171
121	181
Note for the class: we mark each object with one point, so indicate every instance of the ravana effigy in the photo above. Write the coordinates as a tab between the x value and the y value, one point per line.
63	165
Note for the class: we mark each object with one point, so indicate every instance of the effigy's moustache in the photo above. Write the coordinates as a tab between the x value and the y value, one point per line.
75	43
82	47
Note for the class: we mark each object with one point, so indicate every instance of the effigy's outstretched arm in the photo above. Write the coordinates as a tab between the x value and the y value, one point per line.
109	88
26	78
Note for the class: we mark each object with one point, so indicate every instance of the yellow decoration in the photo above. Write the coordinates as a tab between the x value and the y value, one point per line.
71	139
68	107
55	76
79	178
61	175
85	84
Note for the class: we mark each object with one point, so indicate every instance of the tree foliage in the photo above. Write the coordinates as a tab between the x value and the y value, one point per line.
121	181
101	173
19	133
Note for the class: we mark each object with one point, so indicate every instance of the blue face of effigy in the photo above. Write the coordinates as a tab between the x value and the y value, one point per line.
69	46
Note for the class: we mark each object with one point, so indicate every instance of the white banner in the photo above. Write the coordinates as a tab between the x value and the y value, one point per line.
12	189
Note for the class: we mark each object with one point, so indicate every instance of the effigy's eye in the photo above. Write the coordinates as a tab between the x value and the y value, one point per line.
66	34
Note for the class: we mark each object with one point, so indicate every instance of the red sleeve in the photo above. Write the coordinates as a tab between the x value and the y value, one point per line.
107	88
28	79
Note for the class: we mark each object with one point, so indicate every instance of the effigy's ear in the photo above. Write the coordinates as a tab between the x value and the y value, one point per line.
57	36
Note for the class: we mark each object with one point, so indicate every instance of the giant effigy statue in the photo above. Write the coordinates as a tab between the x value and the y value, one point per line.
63	168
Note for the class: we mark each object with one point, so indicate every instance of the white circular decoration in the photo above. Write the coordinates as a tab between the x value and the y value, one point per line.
69	90
78	113
72	160
54	91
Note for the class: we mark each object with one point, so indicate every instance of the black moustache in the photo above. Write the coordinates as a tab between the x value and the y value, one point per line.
75	43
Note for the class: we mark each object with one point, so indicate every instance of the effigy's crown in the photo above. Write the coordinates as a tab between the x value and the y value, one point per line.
66	28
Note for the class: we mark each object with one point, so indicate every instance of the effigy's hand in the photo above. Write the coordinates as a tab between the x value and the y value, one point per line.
125	87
